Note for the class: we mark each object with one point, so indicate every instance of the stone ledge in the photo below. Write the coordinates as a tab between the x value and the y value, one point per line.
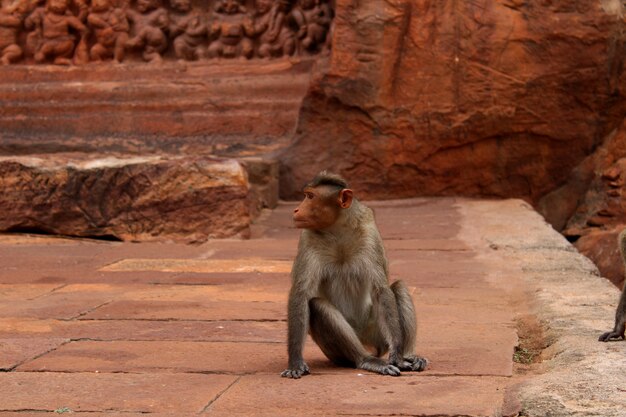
578	376
131	198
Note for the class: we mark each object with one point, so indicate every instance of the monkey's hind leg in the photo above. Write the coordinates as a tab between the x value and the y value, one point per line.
339	342
408	324
620	321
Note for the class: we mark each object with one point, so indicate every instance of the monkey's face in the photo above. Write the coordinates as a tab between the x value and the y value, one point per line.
320	208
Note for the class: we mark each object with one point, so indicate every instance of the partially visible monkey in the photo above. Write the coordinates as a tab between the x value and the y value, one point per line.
620	314
340	291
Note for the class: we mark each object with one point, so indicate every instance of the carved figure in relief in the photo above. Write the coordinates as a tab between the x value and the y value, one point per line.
110	26
231	31
150	22
188	29
56	29
10	23
270	26
313	18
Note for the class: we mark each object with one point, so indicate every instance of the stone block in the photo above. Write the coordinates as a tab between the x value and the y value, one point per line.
138	198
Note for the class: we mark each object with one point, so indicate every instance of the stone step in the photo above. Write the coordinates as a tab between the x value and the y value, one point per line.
172	105
219	70
263	86
135	198
142	119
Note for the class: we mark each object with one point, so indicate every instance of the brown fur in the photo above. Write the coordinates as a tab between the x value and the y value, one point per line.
340	291
620	314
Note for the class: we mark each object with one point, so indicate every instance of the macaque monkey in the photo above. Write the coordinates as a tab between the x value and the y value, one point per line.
340	291
620	314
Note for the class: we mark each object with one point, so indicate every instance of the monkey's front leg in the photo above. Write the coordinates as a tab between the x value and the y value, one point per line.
620	321
617	332
297	327
614	334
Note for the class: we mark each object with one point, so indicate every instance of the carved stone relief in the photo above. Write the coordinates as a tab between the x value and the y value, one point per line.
73	32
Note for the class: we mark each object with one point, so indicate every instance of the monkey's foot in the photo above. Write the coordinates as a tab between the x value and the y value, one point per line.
605	337
379	366
296	372
413	363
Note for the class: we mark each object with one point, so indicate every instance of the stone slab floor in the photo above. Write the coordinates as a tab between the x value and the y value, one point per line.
98	328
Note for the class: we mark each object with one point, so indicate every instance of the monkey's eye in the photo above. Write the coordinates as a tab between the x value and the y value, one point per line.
309	195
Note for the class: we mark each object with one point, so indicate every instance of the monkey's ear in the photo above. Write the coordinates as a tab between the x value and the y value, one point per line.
345	198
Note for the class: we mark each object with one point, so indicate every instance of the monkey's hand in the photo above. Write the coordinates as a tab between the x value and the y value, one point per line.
614	334
296	371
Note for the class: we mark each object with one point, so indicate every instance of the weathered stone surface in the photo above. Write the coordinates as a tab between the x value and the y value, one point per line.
181	394
503	262
142	198
170	356
578	376
142	330
369	395
601	247
489	98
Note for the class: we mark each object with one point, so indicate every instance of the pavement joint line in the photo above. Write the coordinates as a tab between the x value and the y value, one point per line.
17	365
46	412
404	415
428	250
68	372
180	265
184	320
217	397
88	339
52	291
91	310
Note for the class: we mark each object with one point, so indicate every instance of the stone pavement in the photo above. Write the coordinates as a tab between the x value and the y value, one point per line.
98	328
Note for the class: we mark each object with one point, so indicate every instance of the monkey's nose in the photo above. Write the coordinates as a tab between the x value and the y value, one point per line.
295	211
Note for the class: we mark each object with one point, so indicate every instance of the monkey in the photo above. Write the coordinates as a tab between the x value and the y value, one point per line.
620	314
340	292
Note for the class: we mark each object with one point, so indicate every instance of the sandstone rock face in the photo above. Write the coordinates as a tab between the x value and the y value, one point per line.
481	98
590	208
140	199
